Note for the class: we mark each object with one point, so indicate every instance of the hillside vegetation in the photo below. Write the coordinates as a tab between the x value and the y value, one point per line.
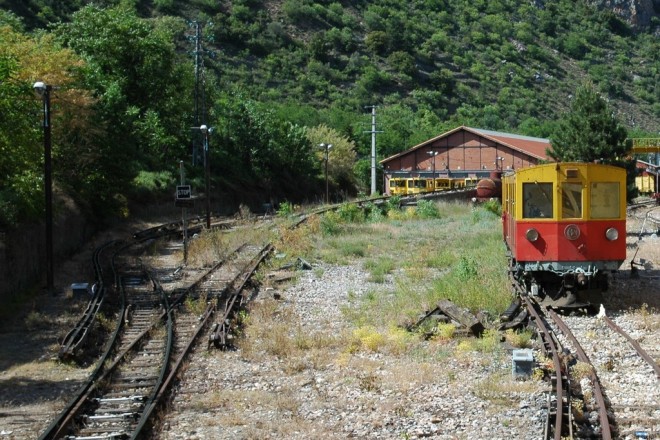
272	70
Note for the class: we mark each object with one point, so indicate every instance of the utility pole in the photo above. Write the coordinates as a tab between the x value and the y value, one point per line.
200	90
183	216
44	90
373	147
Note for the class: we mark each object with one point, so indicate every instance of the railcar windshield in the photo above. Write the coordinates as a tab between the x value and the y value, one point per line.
537	200
571	196
605	200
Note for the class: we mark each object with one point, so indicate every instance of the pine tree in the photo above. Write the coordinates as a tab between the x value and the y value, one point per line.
589	131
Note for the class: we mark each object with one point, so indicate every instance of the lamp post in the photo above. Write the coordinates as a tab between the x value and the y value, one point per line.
43	90
326	147
433	154
207	173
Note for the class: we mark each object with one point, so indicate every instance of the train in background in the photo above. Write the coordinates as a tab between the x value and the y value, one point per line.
564	226
404	186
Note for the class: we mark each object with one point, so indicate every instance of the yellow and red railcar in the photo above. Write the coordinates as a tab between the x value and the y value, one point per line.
564	225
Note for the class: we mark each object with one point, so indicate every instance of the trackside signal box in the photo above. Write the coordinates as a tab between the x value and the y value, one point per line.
522	363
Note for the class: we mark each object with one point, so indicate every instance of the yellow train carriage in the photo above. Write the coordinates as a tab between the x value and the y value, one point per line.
444	184
645	184
418	185
398	186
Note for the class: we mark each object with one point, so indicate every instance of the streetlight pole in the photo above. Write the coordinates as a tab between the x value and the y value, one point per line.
433	154
43	90
207	172
326	147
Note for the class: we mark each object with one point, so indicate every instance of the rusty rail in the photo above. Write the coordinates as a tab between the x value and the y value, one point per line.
606	433
635	344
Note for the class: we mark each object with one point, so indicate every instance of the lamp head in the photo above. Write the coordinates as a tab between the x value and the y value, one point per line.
40	87
203	129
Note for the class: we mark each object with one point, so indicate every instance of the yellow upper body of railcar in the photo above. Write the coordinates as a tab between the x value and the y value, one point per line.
571	190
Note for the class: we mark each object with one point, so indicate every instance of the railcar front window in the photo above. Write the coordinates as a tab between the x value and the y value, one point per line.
571	196
605	200
537	200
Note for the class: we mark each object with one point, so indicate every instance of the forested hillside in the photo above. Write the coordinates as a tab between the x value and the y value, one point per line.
275	78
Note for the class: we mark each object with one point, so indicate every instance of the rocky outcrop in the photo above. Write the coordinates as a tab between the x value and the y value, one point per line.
638	13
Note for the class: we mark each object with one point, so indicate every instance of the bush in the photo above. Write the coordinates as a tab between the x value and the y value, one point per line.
351	213
427	209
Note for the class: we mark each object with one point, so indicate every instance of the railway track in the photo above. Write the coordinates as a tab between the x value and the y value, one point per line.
74	339
597	393
628	376
156	328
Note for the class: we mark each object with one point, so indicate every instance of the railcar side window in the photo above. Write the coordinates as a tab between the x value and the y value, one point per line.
537	200
571	196
605	200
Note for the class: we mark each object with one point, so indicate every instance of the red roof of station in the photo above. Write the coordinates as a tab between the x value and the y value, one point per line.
532	146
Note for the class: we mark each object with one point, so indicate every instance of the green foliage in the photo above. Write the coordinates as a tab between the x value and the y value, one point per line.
351	213
466	269
429	66
493	206
589	131
427	209
154	181
379	267
286	209
331	223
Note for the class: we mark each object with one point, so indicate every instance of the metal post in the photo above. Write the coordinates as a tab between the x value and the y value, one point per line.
433	154
326	147
44	91
207	172
373	147
207	159
183	217
373	150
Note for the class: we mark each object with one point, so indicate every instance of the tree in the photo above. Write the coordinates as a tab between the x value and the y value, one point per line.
588	131
341	157
24	60
143	91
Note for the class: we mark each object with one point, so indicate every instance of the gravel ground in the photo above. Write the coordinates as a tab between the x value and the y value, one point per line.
442	393
322	391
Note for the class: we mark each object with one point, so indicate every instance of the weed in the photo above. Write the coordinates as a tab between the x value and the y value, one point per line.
445	331
35	320
369	382
379	267
286	209
520	339
331	223
466	269
366	338
197	306
352	213
581	370
427	209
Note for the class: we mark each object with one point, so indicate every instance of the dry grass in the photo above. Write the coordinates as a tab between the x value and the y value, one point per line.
271	329
502	389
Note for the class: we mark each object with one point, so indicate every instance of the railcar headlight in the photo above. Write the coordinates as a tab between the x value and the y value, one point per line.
532	235
612	234
572	232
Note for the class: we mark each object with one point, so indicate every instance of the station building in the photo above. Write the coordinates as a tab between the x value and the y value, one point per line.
465	152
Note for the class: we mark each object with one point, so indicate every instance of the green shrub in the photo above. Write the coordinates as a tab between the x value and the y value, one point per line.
286	209
466	269
350	212
330	223
427	209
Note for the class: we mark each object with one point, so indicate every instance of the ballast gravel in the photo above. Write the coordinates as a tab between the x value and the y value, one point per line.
440	393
